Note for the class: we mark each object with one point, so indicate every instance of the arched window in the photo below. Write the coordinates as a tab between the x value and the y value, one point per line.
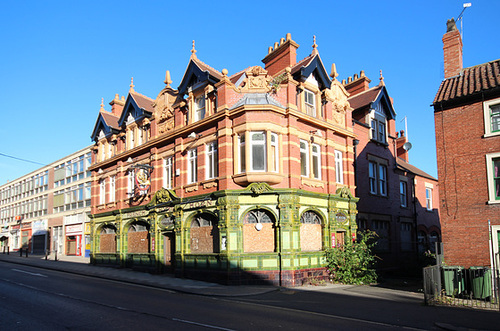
107	240
138	238
433	239
258	231
204	234
422	241
310	232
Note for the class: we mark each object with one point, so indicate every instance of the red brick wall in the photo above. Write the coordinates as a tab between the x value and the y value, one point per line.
138	242
464	210
107	243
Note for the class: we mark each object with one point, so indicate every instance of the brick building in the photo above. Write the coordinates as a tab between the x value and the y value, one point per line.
239	178
467	122
396	200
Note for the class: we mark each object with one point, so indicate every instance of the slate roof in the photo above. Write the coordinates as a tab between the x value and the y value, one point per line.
110	119
401	164
365	98
471	81
257	99
143	101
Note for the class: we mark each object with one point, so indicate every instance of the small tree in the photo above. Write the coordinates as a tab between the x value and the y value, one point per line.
354	262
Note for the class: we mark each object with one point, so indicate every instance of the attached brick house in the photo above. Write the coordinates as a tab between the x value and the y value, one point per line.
241	178
467	123
396	199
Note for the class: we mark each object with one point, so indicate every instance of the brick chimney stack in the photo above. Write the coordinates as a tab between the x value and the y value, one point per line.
358	84
282	55
452	48
400	141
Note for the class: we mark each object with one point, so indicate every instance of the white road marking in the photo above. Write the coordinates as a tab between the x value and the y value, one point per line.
201	324
30	273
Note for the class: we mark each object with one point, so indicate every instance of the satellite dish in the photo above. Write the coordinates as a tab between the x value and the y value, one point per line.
407	146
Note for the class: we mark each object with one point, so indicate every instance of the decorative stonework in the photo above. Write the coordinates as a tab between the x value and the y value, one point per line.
166	126
191	188
259	188
256	81
337	94
311	183
209	185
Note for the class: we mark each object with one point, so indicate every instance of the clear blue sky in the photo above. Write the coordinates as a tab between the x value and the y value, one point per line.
59	58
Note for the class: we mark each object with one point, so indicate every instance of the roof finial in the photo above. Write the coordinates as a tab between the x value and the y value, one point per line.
334	72
193	52
315	51
131	85
381	79
167	81
102	104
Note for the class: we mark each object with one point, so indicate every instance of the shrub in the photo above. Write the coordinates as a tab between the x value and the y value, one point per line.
354	262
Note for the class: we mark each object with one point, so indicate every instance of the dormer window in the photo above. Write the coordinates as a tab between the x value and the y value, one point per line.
310	103
199	108
378	129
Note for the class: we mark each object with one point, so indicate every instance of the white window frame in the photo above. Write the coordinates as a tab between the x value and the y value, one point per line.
403	193
382	179
428	198
199	106
112	189
304	158
192	166
488	132
275	146
242	153
253	152
168	168
310	102
490	173
339	167
102	191
130	183
372	176
211	160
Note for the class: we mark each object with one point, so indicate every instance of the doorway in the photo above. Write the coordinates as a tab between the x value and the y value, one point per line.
169	251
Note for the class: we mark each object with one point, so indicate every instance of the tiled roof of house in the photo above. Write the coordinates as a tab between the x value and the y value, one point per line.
365	98
143	101
471	81
302	63
205	67
110	119
408	167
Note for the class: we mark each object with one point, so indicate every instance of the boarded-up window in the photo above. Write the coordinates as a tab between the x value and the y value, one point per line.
258	232
107	242
204	234
310	232
138	239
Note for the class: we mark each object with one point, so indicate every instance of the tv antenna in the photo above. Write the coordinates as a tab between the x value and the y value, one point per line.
406	127
460	17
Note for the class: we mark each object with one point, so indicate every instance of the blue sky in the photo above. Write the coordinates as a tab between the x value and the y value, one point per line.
59	58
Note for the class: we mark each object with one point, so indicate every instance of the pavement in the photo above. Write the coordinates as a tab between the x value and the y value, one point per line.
81	265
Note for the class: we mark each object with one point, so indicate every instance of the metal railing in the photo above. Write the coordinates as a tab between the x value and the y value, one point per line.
476	287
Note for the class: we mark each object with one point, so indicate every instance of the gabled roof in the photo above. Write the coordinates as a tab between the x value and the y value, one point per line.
201	72
371	97
257	99
471	82
107	122
403	165
138	105
311	64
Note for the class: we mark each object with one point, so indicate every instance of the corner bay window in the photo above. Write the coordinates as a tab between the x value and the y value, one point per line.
261	154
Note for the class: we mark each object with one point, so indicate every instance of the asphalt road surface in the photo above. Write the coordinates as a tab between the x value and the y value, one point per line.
39	299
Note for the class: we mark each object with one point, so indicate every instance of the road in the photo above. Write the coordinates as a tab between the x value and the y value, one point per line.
39	299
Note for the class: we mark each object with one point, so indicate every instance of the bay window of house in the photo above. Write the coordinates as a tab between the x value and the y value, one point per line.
491	110
339	168
403	194
168	168
258	152
377	177
493	176
199	108
192	166
211	160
